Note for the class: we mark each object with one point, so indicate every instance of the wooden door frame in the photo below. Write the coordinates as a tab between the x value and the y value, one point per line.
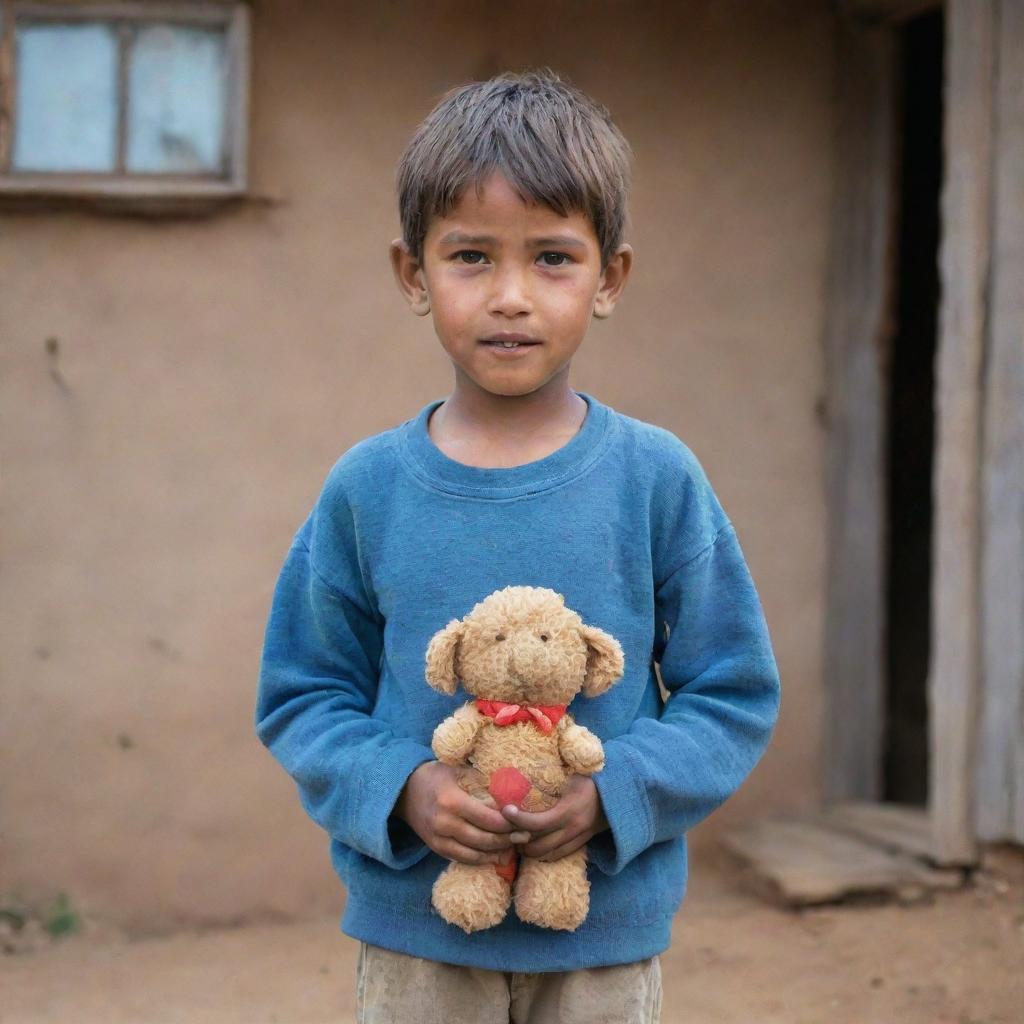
857	336
999	756
977	443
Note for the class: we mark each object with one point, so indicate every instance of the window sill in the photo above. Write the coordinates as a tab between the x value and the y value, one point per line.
136	196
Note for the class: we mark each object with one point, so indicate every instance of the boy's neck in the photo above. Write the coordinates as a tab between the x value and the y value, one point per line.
479	428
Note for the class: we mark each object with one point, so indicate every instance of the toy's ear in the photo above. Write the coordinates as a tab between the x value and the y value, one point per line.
441	652
604	661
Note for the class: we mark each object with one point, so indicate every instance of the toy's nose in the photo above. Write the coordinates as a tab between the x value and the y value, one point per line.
524	655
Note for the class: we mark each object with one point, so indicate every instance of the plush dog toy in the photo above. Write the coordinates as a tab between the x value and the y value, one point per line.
523	655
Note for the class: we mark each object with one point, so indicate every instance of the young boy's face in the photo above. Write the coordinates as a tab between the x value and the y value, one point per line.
497	269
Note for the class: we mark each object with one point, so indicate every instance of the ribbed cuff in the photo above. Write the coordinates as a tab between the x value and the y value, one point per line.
375	831
624	799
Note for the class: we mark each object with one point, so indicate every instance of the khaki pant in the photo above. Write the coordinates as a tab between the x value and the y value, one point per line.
393	988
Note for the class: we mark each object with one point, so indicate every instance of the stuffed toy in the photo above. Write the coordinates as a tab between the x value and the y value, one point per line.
522	655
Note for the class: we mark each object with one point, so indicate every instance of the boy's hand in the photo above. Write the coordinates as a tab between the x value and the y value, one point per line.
450	821
558	831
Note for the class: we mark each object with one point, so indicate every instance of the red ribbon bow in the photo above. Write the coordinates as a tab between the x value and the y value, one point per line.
544	716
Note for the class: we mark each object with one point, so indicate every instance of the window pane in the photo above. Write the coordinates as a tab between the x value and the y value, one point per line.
176	93
66	98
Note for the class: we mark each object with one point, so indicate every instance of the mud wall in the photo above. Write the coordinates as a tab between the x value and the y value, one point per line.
205	374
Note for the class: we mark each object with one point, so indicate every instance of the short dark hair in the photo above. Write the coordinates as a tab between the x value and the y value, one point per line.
552	142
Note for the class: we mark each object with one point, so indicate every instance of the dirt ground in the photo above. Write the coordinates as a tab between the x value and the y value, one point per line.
734	958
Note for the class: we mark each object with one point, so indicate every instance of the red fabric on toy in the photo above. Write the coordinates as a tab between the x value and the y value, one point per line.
509	786
544	716
508	866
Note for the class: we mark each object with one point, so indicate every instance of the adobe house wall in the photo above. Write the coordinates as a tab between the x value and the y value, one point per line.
208	372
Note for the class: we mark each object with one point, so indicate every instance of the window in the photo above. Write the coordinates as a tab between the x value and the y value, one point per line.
125	101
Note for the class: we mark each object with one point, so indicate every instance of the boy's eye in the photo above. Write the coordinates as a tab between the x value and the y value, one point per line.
470	256
555	259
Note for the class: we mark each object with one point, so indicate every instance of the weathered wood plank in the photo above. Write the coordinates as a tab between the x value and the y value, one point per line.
890	826
963	266
804	863
1000	779
858	330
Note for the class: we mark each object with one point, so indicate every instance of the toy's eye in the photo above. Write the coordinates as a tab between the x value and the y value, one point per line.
500	636
544	637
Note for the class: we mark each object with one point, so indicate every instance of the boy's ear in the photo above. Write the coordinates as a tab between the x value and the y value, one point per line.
605	661
613	280
441	652
409	276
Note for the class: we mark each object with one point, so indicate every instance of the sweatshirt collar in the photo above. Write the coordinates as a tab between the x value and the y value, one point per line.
429	464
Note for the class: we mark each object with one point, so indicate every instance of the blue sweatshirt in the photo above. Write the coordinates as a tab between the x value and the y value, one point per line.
621	521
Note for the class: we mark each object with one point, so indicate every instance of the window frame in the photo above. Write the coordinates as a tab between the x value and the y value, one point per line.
155	189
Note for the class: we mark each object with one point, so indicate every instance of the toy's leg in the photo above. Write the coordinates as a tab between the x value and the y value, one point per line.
472	896
556	894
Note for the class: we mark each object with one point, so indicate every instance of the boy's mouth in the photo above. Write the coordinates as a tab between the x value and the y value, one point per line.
510	341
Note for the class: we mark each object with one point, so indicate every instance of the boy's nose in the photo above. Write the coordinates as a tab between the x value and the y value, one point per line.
510	295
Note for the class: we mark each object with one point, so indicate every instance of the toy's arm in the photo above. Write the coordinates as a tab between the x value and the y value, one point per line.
665	774
579	748
455	737
317	689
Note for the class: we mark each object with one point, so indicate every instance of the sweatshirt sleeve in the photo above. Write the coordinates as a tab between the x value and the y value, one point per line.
666	774
317	689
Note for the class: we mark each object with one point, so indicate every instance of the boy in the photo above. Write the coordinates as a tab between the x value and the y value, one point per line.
512	197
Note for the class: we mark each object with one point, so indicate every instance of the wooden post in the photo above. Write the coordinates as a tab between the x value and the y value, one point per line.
964	270
857	339
1000	753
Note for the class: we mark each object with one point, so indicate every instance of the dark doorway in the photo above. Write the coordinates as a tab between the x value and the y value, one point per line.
910	439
